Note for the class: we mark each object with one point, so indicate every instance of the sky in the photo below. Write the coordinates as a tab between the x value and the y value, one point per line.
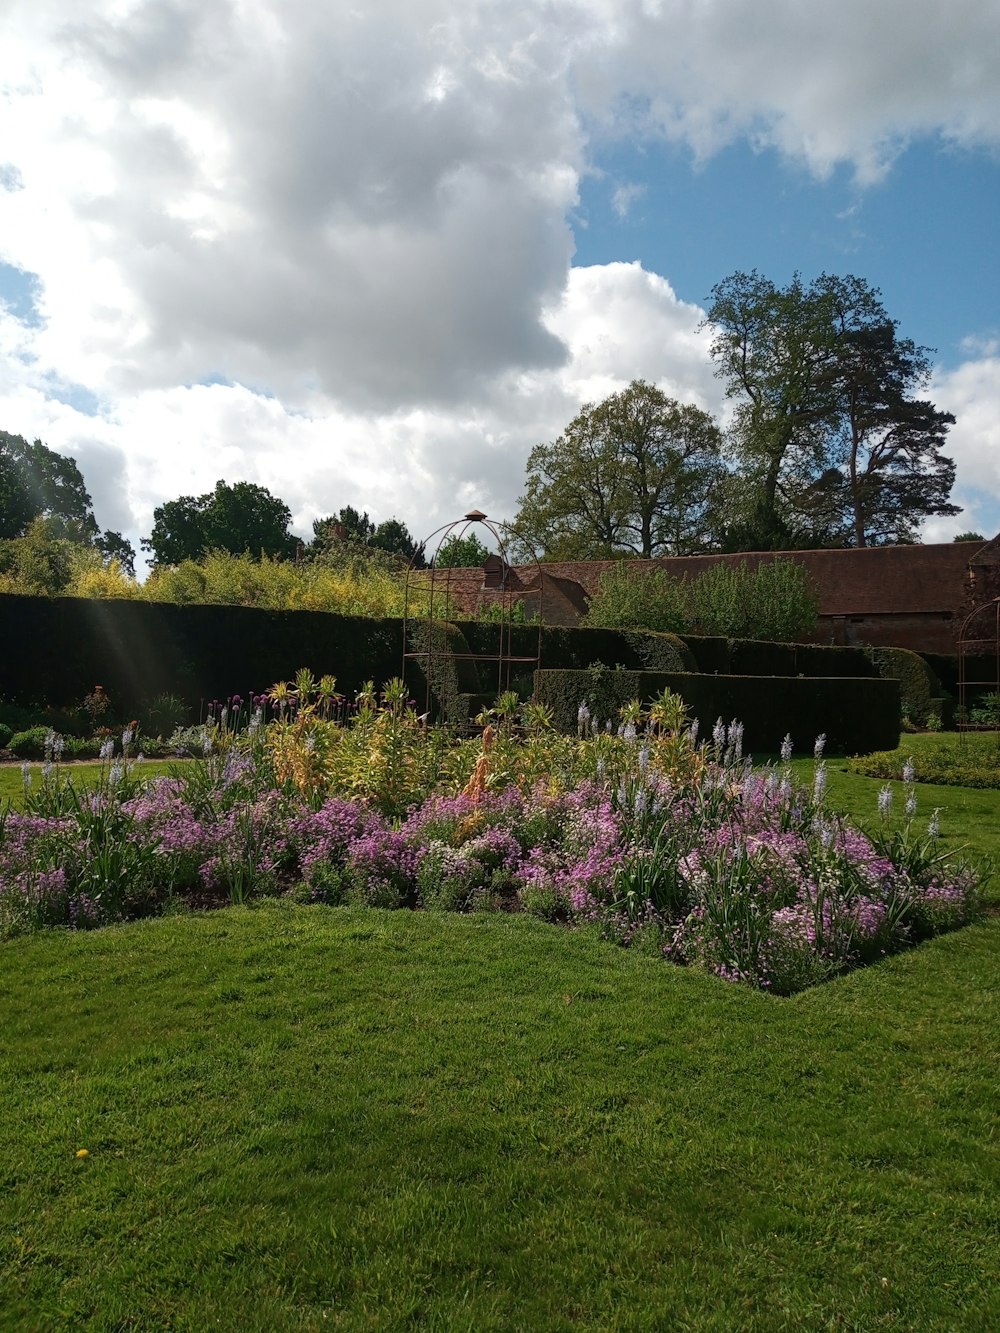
373	254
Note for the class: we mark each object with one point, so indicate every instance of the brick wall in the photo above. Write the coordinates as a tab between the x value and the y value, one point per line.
905	596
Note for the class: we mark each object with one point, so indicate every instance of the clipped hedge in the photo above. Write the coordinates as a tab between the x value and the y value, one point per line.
824	659
919	688
56	649
445	670
761	657
856	714
710	652
579	648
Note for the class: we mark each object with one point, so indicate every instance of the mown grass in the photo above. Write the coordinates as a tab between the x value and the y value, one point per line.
302	1118
81	774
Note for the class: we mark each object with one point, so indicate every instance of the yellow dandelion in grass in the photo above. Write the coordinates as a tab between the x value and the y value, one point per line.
83	1152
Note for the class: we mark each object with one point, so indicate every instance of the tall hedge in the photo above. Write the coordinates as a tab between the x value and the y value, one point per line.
857	715
57	649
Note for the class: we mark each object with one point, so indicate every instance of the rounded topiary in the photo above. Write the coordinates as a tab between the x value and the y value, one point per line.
29	744
919	688
661	650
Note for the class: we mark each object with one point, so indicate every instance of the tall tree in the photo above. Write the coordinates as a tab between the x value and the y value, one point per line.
832	447
635	473
461	552
36	482
242	518
356	530
891	442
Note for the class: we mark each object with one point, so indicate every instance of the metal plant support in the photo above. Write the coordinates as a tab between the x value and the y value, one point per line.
435	645
979	652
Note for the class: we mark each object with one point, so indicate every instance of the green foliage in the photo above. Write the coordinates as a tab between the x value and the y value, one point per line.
29	744
461	550
39	563
832	446
970	537
968	760
444	668
351	537
629	599
5	735
919	688
242	518
775	599
757	657
37	483
985	712
636	472
660	651
163	715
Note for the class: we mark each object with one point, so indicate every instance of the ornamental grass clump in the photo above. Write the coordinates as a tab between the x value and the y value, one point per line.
633	828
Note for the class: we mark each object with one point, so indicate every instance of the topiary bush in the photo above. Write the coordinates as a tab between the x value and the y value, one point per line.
919	688
29	744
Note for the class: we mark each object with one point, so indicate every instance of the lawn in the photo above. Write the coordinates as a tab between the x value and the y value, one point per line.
83	774
306	1117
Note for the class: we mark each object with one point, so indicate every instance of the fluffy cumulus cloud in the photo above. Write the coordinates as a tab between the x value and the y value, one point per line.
327	247
852	82
972	392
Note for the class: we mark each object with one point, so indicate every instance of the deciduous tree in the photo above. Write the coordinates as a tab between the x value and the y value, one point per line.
636	473
242	518
832	445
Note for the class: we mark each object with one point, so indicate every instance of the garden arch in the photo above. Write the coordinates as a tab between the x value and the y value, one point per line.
456	670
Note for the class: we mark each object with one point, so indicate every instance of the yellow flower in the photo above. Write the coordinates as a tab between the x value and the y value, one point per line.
83	1152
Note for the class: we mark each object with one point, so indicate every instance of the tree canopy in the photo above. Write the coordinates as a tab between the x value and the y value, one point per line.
239	518
636	473
392	537
832	444
44	500
461	551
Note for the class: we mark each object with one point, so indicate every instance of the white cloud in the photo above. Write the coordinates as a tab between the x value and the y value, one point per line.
358	216
625	195
825	84
424	465
972	393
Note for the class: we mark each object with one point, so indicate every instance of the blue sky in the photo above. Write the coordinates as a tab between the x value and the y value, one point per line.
373	255
926	235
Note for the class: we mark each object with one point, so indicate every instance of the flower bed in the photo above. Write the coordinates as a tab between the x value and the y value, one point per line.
634	829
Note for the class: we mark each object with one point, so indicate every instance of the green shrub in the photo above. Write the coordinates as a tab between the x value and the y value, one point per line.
660	650
29	744
5	735
775	600
163	715
919	688
648	599
443	668
966	761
